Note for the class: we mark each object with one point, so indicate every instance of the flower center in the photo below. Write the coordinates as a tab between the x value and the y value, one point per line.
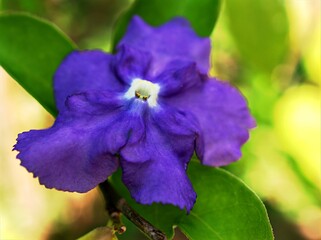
143	90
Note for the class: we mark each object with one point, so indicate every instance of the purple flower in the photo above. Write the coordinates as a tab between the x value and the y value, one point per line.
145	109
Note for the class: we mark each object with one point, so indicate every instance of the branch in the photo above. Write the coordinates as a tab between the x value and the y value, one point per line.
115	205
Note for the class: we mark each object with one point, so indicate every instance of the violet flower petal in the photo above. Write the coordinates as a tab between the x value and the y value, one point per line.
162	179
154	168
177	77
166	130
64	158
131	63
85	71
108	116
175	40
223	116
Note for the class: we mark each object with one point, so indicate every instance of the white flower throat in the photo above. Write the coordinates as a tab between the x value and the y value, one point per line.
143	90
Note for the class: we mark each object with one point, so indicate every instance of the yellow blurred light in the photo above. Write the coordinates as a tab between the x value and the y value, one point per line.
271	176
297	122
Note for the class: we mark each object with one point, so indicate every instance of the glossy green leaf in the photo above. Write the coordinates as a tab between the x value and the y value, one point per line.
225	208
260	31
201	13
31	49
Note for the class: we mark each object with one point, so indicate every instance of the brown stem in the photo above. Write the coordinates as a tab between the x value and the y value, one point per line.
115	205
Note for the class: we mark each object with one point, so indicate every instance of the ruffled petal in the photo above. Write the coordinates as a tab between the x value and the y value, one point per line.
84	71
131	63
77	152
161	180
175	40
64	158
154	167
223	116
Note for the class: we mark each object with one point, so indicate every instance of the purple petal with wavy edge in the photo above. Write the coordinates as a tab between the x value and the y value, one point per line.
223	116
175	40
64	158
162	180
154	168
77	152
85	71
131	63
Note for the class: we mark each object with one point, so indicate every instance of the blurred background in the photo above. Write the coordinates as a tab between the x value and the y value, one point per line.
269	49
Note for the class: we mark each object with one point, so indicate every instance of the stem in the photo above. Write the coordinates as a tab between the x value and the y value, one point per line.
115	205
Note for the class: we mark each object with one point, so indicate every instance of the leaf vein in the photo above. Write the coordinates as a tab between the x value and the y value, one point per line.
206	224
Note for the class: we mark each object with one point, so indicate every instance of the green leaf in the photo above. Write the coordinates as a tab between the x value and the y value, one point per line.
225	208
260	31
201	13
31	49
